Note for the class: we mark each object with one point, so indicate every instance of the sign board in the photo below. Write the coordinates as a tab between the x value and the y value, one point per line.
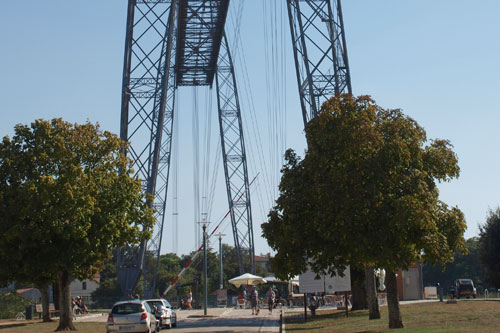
221	296
430	292
326	283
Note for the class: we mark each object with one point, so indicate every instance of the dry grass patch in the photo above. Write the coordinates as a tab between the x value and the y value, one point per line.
465	316
39	327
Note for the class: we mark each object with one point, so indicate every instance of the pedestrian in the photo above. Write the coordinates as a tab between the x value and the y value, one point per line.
254	297
245	297
270	299
277	296
189	299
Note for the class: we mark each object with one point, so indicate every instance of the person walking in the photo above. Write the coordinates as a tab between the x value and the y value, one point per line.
254	297
189	302
270	295
245	297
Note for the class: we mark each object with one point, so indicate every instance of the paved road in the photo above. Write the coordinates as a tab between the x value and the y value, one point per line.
224	320
228	320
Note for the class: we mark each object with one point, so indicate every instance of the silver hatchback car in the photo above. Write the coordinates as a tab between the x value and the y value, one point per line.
132	316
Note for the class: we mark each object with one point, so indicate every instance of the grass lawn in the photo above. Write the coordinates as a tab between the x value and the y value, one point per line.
39	327
465	316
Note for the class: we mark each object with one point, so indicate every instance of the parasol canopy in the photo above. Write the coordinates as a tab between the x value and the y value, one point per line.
247	279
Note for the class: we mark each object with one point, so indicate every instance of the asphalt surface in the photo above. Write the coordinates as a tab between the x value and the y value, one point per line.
222	320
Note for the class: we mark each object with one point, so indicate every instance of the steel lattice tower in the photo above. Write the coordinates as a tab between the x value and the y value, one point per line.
320	52
172	43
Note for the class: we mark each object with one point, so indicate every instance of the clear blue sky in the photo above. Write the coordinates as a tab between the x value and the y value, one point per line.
437	60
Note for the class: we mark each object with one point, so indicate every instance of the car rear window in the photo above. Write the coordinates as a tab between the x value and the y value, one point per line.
465	282
127	308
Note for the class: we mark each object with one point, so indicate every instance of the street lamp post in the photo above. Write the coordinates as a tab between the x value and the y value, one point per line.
221	284
205	268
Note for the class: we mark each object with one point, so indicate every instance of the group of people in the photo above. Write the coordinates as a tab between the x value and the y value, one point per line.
253	296
78	306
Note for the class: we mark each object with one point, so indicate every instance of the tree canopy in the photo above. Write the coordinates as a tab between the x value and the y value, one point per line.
67	199
365	194
489	248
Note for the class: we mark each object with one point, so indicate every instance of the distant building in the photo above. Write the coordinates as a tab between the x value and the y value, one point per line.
86	287
31	294
410	283
263	262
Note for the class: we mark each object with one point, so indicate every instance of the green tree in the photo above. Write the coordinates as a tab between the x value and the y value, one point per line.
68	199
365	195
490	247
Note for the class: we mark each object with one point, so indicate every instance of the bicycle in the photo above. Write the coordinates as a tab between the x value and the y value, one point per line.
21	315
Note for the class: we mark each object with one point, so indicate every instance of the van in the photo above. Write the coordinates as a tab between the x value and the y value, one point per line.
464	288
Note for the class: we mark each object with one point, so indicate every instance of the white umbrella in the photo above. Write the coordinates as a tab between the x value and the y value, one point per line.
247	279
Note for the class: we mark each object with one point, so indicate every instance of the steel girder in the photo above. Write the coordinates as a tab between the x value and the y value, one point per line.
320	52
146	123
235	164
201	25
163	51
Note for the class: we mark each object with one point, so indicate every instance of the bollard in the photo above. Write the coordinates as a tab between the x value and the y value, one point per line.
281	321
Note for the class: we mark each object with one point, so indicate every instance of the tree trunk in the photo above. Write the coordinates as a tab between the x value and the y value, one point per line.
371	293
44	296
358	289
66	313
395	320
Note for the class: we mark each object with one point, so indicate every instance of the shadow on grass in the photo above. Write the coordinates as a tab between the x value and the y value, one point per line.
13	325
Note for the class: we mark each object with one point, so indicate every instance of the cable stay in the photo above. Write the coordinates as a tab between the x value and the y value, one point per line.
195	255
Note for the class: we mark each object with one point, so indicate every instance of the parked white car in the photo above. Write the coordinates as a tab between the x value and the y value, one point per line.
163	312
132	316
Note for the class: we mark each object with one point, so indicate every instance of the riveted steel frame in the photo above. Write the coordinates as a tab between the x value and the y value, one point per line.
235	164
146	123
201	25
320	52
150	77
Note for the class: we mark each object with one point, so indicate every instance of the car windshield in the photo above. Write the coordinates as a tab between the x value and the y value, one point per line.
127	308
465	282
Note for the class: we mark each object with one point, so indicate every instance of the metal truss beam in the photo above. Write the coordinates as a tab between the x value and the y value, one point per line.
201	25
146	123
171	43
235	165
320	52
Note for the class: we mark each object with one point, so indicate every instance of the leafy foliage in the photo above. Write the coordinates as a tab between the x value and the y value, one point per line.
67	199
11	304
365	194
489	251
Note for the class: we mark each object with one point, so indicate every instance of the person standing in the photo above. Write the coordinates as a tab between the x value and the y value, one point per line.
189	299
245	297
270	299
254	297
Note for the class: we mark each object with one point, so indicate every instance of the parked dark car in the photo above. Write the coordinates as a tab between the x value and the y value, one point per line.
464	288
